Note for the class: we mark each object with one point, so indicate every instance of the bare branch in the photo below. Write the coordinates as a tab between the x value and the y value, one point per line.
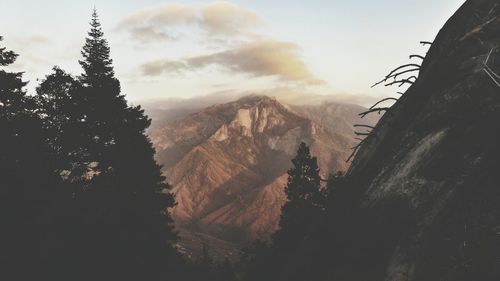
425	43
362	134
376	109
401	93
387	99
403	66
354	150
394	73
417	56
400	82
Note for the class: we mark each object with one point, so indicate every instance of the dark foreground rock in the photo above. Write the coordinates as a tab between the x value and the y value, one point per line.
436	157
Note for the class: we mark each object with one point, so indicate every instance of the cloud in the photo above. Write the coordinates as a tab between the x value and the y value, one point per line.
157	67
214	19
33	40
264	57
147	33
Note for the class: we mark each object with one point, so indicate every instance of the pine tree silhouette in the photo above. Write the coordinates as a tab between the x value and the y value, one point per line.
119	225
96	63
126	199
289	256
28	187
303	190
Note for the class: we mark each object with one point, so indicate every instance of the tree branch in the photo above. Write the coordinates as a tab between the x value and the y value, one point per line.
376	109
403	66
417	56
387	99
394	73
425	43
354	150
400	82
362	134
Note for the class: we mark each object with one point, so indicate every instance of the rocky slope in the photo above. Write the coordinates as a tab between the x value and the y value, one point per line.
228	164
437	153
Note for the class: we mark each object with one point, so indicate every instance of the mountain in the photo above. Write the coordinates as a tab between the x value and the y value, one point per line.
228	162
436	158
166	110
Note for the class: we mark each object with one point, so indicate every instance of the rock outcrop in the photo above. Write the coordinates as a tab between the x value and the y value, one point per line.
437	152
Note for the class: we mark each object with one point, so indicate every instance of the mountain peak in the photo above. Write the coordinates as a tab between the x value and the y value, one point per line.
228	164
253	100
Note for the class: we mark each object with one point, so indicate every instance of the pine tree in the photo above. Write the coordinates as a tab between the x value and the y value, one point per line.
290	255
303	190
59	101
29	183
96	63
12	96
121	226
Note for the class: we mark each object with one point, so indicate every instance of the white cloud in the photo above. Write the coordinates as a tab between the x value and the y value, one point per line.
264	57
214	19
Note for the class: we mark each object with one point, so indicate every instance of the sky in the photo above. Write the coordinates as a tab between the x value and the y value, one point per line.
183	49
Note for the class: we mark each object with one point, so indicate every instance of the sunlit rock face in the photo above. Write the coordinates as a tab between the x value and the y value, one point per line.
228	162
437	154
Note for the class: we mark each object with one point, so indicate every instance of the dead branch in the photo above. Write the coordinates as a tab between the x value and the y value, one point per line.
362	134
400	82
376	109
357	147
354	150
401	93
425	43
417	56
394	73
403	66
379	102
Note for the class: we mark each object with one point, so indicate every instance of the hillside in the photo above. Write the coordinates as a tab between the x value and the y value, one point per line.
228	164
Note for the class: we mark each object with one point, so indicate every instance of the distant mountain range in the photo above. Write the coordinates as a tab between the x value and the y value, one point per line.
228	162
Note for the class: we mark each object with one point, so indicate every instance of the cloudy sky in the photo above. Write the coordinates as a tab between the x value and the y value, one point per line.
183	49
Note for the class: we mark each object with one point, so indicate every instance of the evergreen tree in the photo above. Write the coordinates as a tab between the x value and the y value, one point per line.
28	181
303	190
59	99
120	227
96	63
290	256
